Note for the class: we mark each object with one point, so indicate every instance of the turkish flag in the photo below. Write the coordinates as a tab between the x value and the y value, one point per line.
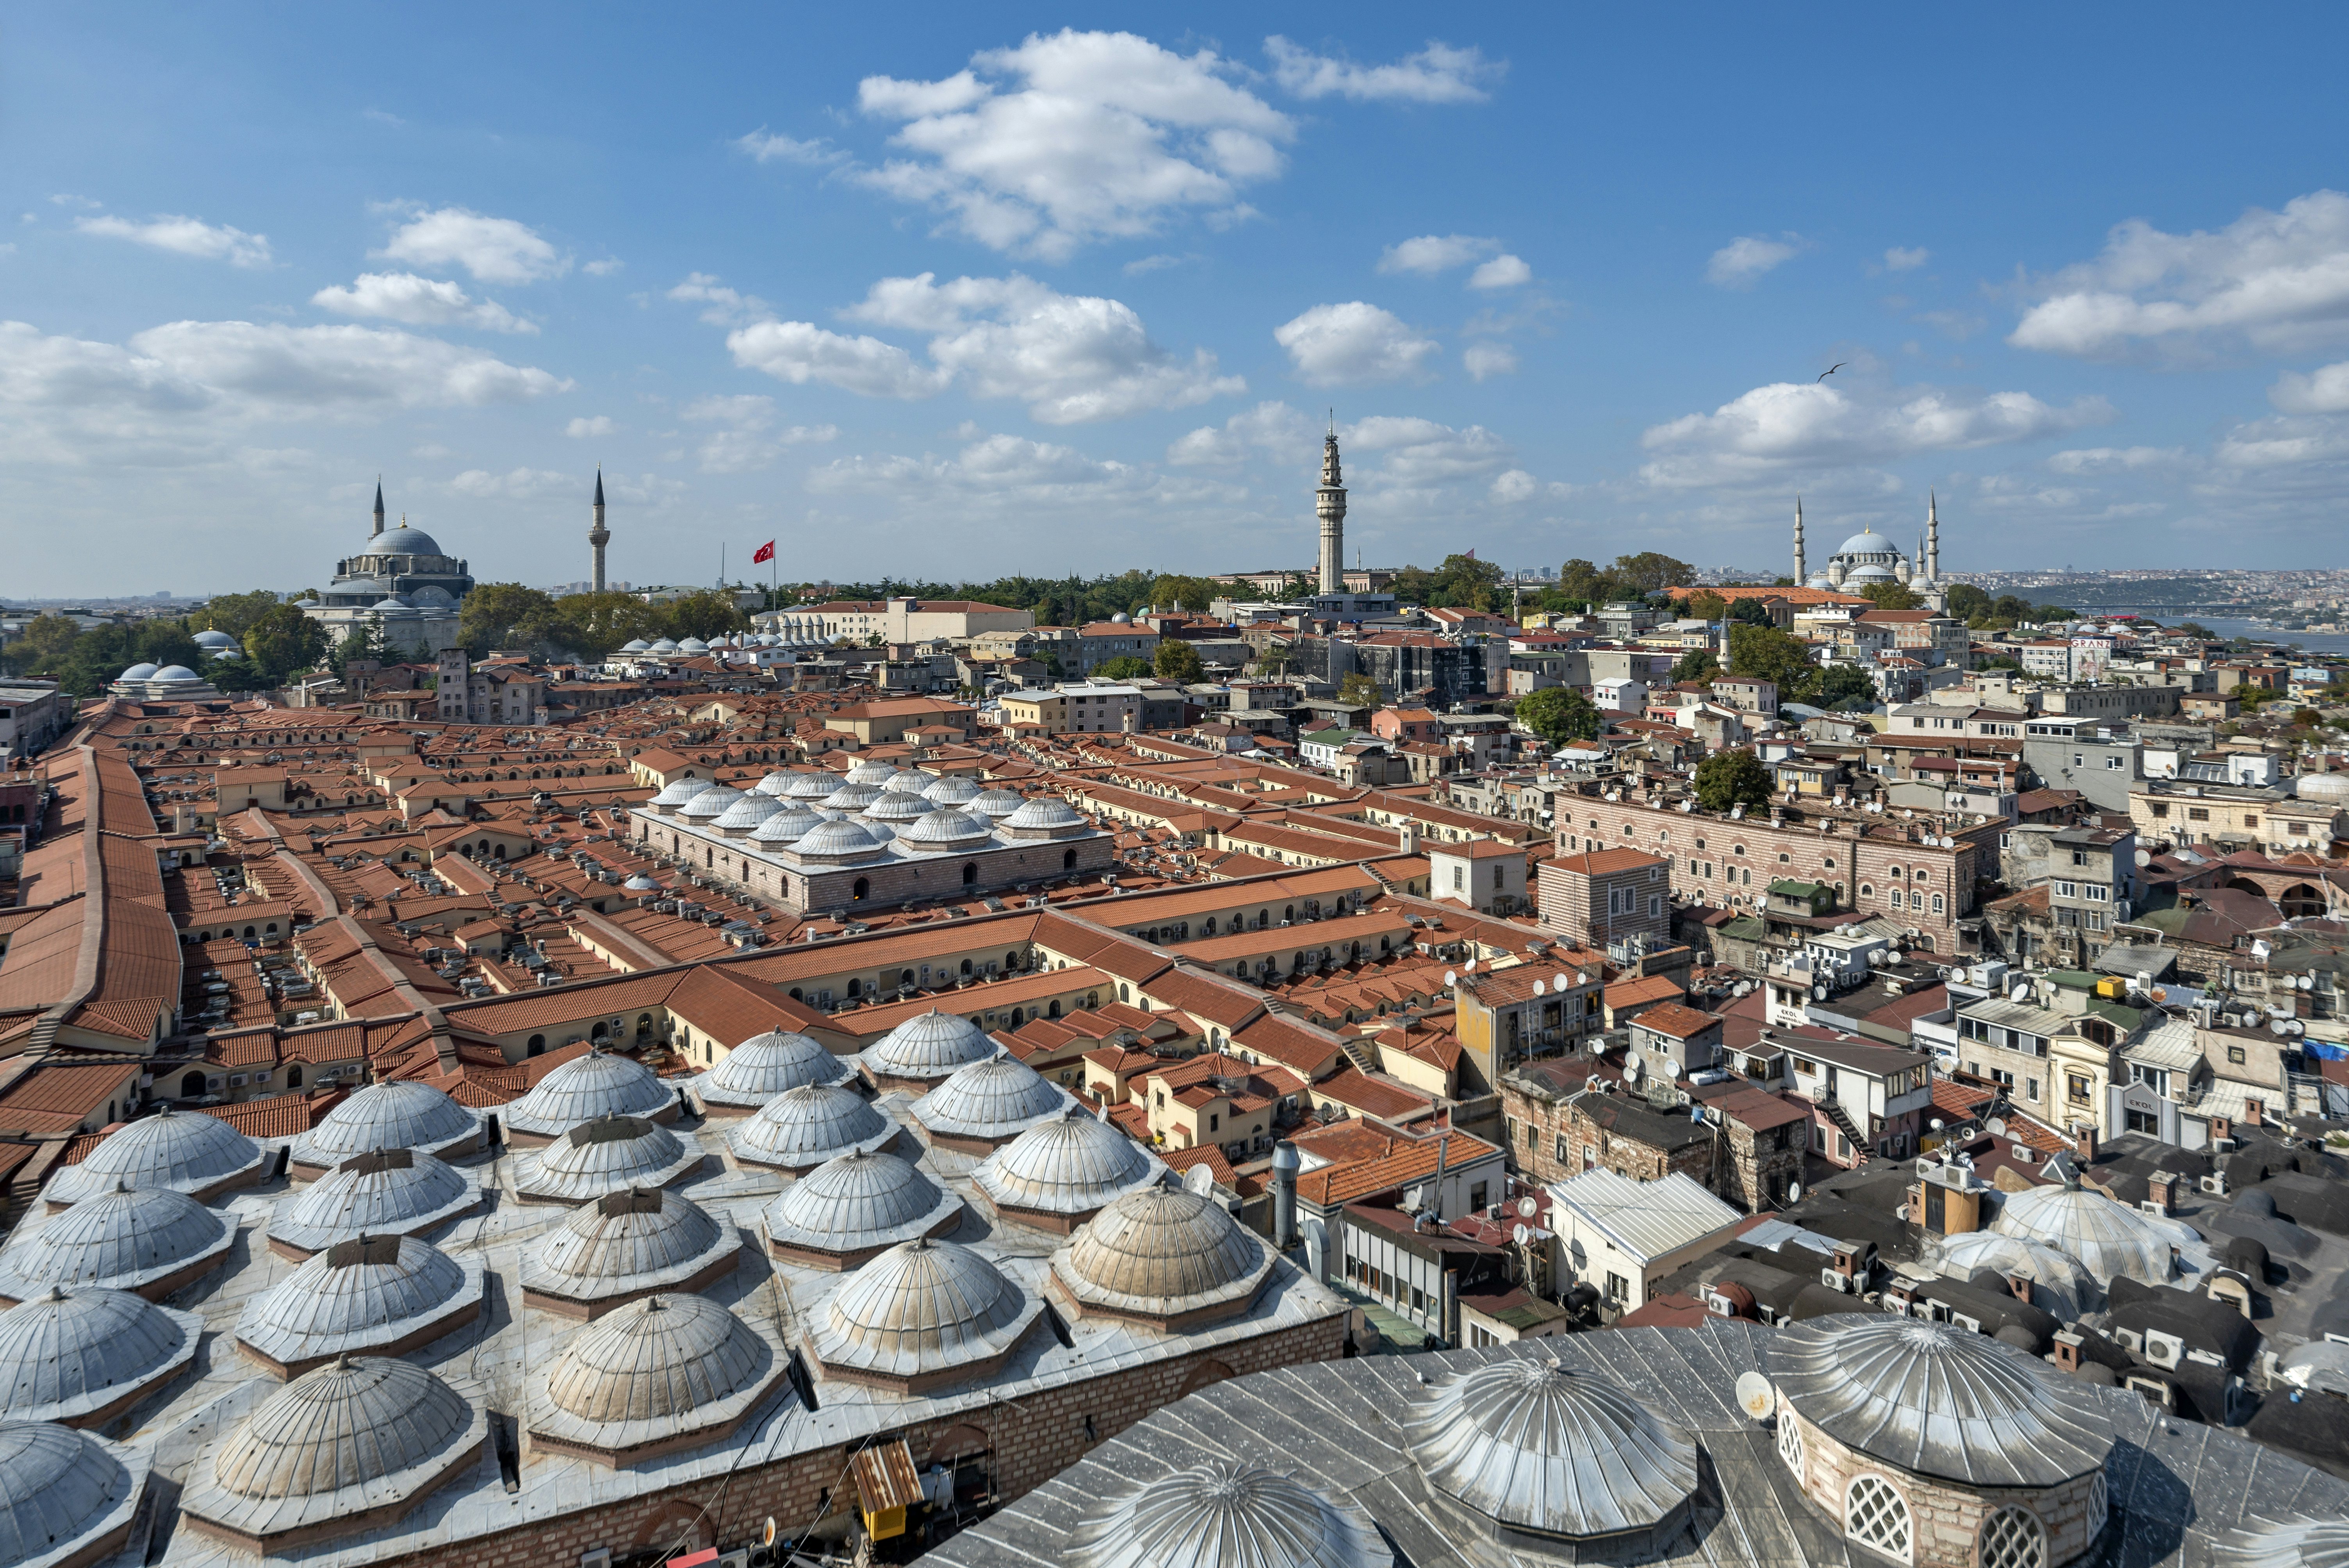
766	552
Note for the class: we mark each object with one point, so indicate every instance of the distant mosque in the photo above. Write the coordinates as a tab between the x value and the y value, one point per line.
1867	557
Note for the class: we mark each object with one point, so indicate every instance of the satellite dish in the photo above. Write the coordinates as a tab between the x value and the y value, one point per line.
2277	1028
1470	967
1538	987
1449	979
1529	1206
1199	1179
1519	1233
1754	1395
1317	1244
1413	1198
2144	857
1794	1191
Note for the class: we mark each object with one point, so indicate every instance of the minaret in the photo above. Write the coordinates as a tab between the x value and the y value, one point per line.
598	536
1801	577
1329	503
378	505
1933	538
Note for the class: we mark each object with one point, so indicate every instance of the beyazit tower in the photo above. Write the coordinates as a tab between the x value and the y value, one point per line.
1329	503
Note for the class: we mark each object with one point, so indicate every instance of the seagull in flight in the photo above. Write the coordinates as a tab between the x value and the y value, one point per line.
1833	369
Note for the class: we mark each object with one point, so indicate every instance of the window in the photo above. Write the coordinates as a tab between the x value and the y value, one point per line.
2197	813
1790	1443
2011	1538
2032	1088
1875	1515
1618	1289
1560	1154
1937	903
2076	1085
2067	889
2235	1055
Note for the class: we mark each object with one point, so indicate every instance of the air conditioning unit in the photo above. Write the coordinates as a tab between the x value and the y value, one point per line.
2164	1350
2130	1340
2214	1184
1971	1324
1834	1281
739	1559
1718	1304
2148	1206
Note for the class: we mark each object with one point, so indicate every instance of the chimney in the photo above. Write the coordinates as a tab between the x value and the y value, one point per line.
2253	1110
1285	1165
2083	1142
2161	1188
2068	1350
1407	837
2018	1286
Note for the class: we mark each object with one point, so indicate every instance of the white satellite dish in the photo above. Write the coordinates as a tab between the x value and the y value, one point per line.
1470	967
1529	1206
1538	987
1632	1069
1199	1179
1449	979
1794	1191
1754	1395
1517	1234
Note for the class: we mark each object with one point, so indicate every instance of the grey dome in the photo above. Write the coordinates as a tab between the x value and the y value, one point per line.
1528	1444
1045	811
2107	1237
640	883
187	1152
584	1087
142	671
853	797
811	786
677	791
1225	1514
2051	1269
400	540
859	1201
62	1492
383	1192
946	826
175	673
996	803
790	822
927	1045
2331	788
626	1243
662	1356
806	1126
692	645
67	1354
911	780
924	1310
713	802
841	840
954	789
357	1432
996	1099
1870	574
896	806
664	646
365	1295
1939	1401
635	646
1072	1164
120	1240
765	1065
872	771
747	811
609	1154
213	637
777	783
1867	541
1163	1252
401	1115
2287	1544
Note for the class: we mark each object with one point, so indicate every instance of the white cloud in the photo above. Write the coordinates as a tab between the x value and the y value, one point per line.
800	352
66	198
1421	454
2322	391
516	484
1514	485
1437	74
1075	137
419	302
2116	459
1501	272
1353	344
2284	443
1785	425
747	435
494	250
1484	360
585	429
1140	264
185	237
776	148
1428	254
1268	428
999	472
1737	265
727	305
2277	281
1900	259
605	268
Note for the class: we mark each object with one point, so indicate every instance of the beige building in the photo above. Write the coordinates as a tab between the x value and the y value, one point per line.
902	620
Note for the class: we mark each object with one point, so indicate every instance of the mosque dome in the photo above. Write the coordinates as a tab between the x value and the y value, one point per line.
989	1102
856	1205
667	1371
2329	789
212	637
663	645
873	771
714	800
955	790
1869	574
123	1239
998	803
775	783
1939	1400
635	646
692	645
911	780
397	1115
747	811
1232	1515
383	1192
228	653
1528	1445
640	883
2072	1289
401	541
853	797
921	1315
627	1244
1062	1169
187	1152
386	1293
2108	1238
788	823
804	1127
432	597
175	673
1163	1254
945	827
607	1154
63	1493
837	840
811	786
926	1046
584	1087
895	805
765	1065
390	605
1867	541
140	672
69	1356
676	792
1043	814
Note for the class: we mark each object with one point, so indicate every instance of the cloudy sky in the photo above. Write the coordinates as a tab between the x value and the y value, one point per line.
943	291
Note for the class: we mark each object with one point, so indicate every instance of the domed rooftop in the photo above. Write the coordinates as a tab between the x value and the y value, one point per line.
186	1151
1160	1253
626	1244
692	645
912	780
927	1045
922	1314
871	771
1225	1514
584	1087
811	786
213	637
372	1293
358	1435
1939	1400
713	802
1044	811
1532	1446
2108	1238
64	1356
2070	1286
609	1154
1870	574
635	646
175	673
400	540
893	805
144	671
401	1115
2329	789
1867	541
944	828
659	1369
776	783
857	1204
1070	1165
837	840
853	797
640	883
994	1099
765	1065
122	1240
2289	1543
677	791
63	1493
802	1127
748	812
664	646
791	822
383	1192
996	803
954	789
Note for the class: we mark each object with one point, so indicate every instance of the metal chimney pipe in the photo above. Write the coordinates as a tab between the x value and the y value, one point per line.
1285	1163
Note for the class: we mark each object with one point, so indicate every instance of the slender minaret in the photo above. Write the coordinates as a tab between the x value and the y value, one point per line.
1801	576
1933	538
1329	503
378	505
598	536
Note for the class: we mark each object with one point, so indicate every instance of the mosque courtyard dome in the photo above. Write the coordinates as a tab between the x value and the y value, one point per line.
192	1153
767	1065
606	1154
66	1497
82	1355
659	1375
625	1246
601	1083
802	1127
150	1242
988	1103
927	1047
921	1316
1061	1171
1226	1513
1162	1256
383	1192
374	1295
855	1206
402	1114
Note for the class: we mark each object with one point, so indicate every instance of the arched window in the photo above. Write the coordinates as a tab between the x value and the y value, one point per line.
1937	903
856	987
1017	1017
905	977
970	875
193	1085
1895	899
1876	1516
600	1031
862	891
966	967
1790	1444
1208	928
294	1076
537	1045
644	1025
1054	1010
248	934
1866	890
1068	860
2011	1538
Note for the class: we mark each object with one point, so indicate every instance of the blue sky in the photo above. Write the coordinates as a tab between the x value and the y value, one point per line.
961	294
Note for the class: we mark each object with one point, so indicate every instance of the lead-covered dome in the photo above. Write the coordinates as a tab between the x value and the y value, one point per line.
803	1128
380	1294
712	803
872	771
1528	1445
925	1047
852	796
625	1246
836	839
584	1087
65	1496
767	1065
150	1242
609	1154
893	805
996	803
954	789
944	828
2069	1288
142	671
790	823
922	1314
1060	1171
1228	1514
1939	1401
805	786
383	1192
2107	1237
176	672
400	540
1867	541
850	1208
2328	788
988	1103
400	1115
746	812
676	792
1044	813
183	1151
671	1370
80	1356
1163	1256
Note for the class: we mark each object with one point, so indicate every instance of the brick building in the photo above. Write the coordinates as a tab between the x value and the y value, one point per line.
1558	1126
1608	895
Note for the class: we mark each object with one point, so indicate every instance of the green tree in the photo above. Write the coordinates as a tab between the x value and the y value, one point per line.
283	643
1559	714
1892	596
705	614
1128	668
47	639
1636	575
1704	604
1750	611
1843	687
1183	593
1735	778
1177	660
233	613
1359	690
363	641
593	625
1581	582
1966	601
1769	653
2045	613
1696	664
2196	629
504	616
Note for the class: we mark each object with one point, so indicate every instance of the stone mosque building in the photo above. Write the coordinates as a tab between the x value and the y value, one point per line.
1869	557
401	580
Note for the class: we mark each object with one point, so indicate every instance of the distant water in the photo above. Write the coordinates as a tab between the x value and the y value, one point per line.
2314	641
